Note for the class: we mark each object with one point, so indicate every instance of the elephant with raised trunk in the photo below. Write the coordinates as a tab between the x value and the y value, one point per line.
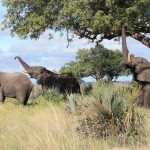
15	85
65	82
140	67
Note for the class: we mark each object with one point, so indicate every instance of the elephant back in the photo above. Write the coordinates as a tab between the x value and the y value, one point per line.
144	76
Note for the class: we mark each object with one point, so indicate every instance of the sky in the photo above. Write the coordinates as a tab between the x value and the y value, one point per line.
53	54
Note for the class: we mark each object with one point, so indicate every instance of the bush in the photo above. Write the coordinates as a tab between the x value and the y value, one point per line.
36	92
111	112
86	88
74	100
53	94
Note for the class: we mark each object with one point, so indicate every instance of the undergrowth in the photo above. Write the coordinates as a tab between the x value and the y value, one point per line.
104	118
110	112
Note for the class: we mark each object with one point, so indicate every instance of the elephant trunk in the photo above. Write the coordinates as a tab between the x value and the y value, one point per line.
24	64
126	55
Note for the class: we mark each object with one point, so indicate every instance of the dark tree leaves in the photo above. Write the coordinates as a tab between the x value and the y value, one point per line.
92	19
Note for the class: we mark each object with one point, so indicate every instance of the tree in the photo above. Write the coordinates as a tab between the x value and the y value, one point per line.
92	19
97	62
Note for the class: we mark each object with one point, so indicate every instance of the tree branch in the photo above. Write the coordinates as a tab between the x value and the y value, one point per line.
142	38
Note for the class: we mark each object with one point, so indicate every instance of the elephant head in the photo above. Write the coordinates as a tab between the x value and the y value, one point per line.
139	66
33	71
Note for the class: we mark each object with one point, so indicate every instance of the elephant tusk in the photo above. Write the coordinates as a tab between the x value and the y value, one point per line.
23	70
129	58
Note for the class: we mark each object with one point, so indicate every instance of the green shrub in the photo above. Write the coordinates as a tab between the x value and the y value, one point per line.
53	94
36	92
74	100
111	112
86	88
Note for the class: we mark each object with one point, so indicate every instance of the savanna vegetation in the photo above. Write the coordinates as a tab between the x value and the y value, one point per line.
105	118
98	62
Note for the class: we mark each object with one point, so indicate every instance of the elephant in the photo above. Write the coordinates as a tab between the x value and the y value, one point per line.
140	67
15	85
65	82
143	98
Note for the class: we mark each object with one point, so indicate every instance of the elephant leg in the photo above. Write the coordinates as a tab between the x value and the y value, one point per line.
140	100
23	98
140	97
147	99
2	98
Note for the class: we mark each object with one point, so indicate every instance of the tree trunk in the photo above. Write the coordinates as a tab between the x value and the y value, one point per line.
97	75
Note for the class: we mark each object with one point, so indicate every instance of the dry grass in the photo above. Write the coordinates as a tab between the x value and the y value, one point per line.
48	126
45	127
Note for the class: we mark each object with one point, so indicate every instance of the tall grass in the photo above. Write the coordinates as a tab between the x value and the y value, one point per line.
42	126
97	121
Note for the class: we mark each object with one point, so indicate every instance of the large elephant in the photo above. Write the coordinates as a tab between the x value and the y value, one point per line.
140	67
65	82
15	85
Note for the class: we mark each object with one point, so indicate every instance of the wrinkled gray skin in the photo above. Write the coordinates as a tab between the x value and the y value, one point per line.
65	82
140	68
15	85
144	95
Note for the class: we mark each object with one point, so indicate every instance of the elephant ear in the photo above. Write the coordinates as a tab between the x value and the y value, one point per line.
144	76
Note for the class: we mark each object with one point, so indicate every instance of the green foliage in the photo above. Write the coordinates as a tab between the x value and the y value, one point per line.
72	102
86	88
53	94
112	114
105	119
97	62
86	18
36	92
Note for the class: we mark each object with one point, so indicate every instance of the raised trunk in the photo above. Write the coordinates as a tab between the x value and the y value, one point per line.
124	45
24	64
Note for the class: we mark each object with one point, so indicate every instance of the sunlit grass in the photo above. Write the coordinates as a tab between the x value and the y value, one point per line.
43	126
48	125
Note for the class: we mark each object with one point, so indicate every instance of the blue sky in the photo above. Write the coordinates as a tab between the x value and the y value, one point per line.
52	54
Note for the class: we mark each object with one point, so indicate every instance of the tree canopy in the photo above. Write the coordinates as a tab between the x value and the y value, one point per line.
97	62
92	19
